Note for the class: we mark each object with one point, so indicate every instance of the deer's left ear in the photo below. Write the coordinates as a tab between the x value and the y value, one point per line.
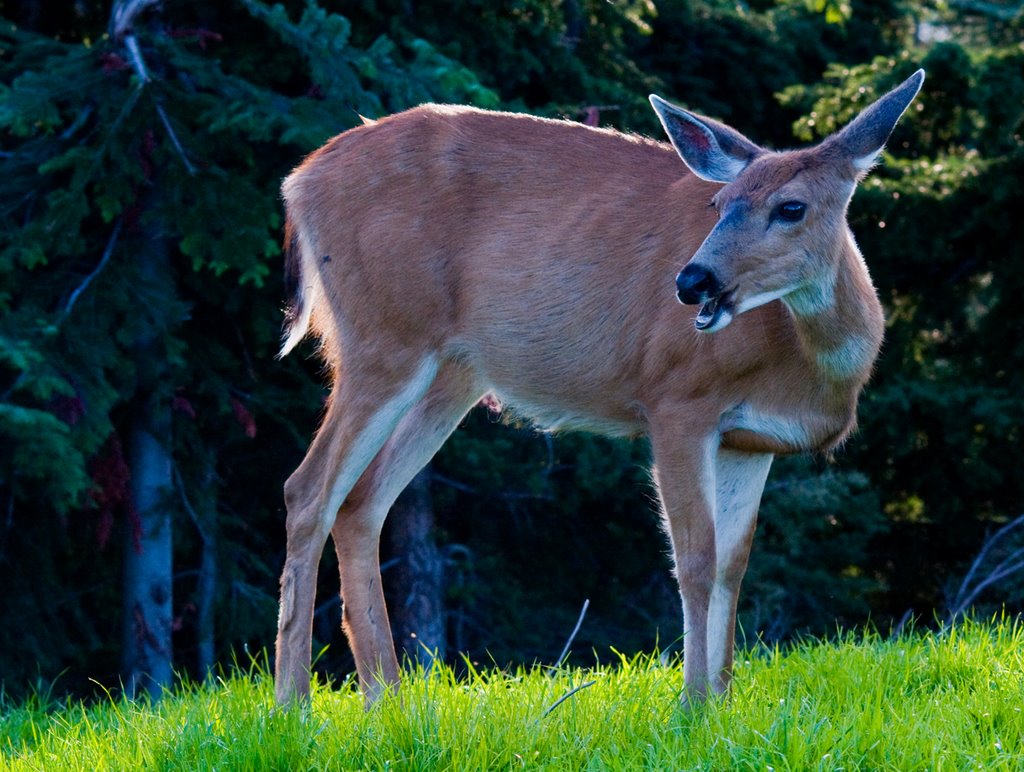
713	151
862	140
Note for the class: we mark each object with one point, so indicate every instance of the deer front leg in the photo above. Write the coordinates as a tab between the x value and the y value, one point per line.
739	482
684	474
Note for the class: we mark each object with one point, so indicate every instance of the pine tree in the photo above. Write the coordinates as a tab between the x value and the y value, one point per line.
138	327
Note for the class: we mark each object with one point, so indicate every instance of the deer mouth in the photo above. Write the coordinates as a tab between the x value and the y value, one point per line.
716	313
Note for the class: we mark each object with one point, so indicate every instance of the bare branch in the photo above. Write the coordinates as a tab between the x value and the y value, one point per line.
131	43
111	243
991	579
76	124
124	14
990	542
189	509
135	54
174	140
908	615
474	491
969	588
456	484
566	696
572	636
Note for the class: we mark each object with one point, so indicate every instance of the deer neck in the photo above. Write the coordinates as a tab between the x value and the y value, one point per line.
839	321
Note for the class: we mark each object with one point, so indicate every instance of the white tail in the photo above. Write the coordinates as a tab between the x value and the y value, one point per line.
445	253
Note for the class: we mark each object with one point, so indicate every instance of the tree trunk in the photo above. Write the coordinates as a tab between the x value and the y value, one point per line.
206	590
147	651
148	571
416	581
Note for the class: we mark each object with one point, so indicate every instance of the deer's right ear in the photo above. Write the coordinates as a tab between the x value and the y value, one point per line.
712	150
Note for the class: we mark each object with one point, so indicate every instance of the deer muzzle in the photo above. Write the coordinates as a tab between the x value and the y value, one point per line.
695	285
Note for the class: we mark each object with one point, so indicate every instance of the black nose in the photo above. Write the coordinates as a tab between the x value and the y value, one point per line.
695	284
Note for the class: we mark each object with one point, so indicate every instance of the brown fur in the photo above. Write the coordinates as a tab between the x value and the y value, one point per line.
474	252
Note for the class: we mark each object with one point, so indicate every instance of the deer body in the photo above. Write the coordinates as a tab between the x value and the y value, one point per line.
446	253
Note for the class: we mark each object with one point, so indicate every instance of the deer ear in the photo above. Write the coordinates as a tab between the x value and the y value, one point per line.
712	150
862	140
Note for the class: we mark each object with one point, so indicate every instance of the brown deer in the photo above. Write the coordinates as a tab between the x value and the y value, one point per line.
446	253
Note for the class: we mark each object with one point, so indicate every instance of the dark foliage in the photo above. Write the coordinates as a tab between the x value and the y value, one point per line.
95	157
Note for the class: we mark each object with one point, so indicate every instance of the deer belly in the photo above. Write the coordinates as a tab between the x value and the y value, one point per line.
554	414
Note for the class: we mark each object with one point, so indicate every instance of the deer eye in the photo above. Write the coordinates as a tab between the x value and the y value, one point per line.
791	211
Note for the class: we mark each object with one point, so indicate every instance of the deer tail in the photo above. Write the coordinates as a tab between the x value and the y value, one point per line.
298	309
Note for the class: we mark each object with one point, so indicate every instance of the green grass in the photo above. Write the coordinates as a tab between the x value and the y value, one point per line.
919	701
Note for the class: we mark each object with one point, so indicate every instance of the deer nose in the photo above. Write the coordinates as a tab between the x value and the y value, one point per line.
695	284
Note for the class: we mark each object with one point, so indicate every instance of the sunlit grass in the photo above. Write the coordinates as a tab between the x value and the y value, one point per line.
918	701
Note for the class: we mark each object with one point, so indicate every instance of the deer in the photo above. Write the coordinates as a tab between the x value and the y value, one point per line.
445	254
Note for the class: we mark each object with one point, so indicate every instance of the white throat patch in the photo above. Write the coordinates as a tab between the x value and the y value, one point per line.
813	298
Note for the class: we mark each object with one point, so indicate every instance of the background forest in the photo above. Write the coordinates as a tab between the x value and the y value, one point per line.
146	428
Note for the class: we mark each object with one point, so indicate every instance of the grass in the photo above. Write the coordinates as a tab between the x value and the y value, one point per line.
918	701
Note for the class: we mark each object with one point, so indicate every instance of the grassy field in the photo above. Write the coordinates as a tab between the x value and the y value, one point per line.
918	701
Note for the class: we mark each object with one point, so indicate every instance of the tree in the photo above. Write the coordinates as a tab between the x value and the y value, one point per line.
140	199
416	576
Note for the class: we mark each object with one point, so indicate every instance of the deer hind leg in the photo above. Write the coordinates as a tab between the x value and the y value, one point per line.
356	533
739	482
366	406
